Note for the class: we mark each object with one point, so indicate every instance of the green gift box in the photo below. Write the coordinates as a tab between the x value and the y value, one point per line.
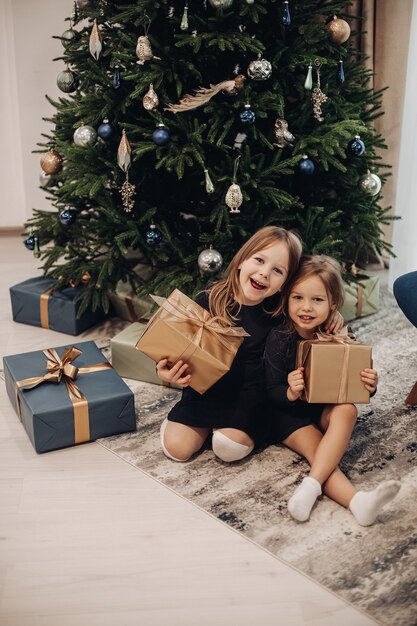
361	297
130	362
126	304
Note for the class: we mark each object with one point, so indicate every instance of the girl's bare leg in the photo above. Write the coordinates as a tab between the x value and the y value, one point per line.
179	442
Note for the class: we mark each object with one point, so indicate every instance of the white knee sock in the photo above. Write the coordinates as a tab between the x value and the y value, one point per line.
228	450
303	499
365	505
165	451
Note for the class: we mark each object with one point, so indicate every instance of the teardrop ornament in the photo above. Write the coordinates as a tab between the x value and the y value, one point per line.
308	84
208	181
116	77
184	19
286	17
341	72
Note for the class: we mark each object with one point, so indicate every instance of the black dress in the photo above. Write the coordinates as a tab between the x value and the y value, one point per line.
238	399
285	416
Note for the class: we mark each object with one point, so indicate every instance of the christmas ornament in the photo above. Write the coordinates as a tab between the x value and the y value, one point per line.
340	72
128	189
204	94
283	137
208	182
339	30
67	217
356	147
36	247
105	130
210	261
161	135
68	36
116	77
150	99
184	19
308	84
85	278
143	50
371	183
83	4
30	242
67	81
221	4
239	139
96	41
261	69
306	166
123	153
250	1
44	179
286	17
234	197
247	116
85	136
51	162
318	97
153	236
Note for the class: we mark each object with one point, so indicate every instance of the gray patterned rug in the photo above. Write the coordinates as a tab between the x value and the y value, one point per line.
373	568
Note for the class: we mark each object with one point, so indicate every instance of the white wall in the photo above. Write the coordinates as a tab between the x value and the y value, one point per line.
27	73
405	230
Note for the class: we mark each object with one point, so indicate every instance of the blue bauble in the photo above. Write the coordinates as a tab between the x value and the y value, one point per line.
67	217
161	136
247	116
105	130
306	166
153	236
356	147
30	242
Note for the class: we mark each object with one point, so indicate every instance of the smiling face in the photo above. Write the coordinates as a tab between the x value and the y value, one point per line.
309	305
263	273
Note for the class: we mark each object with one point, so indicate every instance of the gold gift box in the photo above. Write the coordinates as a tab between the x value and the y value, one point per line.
183	330
332	371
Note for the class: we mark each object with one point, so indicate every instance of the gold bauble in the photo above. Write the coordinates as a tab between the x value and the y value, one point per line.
86	277
339	30
51	162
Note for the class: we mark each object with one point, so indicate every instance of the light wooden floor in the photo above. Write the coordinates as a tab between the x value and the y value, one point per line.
86	539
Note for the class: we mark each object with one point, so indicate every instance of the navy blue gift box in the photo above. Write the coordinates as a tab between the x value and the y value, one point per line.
59	308
85	405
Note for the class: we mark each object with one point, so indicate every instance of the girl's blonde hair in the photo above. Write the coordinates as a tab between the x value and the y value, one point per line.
224	294
327	269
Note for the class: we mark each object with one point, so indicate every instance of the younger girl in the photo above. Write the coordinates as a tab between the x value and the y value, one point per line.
318	432
233	408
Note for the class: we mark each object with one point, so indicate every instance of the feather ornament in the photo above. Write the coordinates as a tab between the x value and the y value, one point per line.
202	95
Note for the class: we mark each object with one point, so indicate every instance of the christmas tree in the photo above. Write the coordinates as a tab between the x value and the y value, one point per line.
185	126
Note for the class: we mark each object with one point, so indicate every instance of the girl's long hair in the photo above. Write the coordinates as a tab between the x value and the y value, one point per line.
225	293
327	269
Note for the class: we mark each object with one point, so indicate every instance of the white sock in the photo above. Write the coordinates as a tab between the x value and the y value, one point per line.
228	450
303	499
162	433
366	505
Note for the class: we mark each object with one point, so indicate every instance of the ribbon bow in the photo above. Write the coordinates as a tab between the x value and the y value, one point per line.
58	369
341	337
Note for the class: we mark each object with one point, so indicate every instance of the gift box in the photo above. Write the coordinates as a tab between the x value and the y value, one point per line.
361	297
129	362
34	303
182	330
332	370
126	304
68	395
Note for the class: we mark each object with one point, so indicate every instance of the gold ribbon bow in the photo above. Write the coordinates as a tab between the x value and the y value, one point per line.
342	338
201	318
58	369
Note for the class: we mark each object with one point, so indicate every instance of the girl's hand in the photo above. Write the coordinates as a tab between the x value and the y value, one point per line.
175	374
370	379
296	384
335	323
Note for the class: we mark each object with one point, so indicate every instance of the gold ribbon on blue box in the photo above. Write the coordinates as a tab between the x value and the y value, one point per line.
332	366
65	396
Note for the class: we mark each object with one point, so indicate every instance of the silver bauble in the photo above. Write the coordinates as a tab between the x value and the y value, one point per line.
83	4
44	179
210	261
67	81
85	136
371	183
261	69
221	4
67	36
